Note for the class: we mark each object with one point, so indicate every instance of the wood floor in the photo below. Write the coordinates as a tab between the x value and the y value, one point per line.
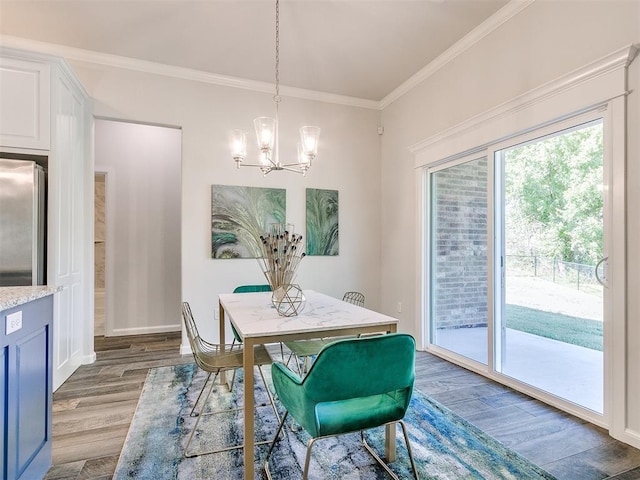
93	409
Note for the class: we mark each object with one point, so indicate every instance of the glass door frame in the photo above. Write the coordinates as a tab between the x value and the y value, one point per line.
496	268
613	114
427	266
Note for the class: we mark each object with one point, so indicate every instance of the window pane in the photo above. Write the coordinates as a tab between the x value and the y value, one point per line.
458	259
552	310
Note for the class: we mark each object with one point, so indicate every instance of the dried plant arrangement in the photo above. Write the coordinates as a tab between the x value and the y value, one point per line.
282	253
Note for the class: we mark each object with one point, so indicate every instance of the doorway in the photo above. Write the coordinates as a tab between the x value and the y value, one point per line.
143	203
100	237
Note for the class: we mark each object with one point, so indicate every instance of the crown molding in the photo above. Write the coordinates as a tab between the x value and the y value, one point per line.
503	15
63	66
127	63
610	63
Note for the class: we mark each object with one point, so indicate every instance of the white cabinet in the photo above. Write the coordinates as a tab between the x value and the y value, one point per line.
44	111
24	103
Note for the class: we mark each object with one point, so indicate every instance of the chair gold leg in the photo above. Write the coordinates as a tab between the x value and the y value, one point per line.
307	460
406	440
271	400
188	454
239	409
273	443
191	414
382	463
235	370
195	427
372	452
233	379
297	361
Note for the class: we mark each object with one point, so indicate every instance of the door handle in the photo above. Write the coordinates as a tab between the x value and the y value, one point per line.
600	281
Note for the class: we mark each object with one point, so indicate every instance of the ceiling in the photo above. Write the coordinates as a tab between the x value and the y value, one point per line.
357	48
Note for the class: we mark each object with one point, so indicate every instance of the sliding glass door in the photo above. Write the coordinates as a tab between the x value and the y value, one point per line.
549	248
516	260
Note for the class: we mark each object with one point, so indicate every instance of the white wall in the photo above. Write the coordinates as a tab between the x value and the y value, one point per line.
633	247
349	161
541	43
143	166
544	41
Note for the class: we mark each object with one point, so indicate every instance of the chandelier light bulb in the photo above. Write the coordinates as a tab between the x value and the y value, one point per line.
266	137
303	158
267	133
309	137
239	145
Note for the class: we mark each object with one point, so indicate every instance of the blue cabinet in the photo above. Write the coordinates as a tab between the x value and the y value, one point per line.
26	391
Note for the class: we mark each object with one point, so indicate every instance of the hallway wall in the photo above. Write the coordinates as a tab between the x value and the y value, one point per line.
143	268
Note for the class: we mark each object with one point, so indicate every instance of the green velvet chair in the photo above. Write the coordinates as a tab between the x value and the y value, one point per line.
252	288
354	384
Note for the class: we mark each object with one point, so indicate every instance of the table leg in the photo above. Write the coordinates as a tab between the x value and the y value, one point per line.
390	442
221	326
249	401
390	430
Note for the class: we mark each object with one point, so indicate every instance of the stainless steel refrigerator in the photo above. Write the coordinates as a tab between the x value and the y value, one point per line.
22	223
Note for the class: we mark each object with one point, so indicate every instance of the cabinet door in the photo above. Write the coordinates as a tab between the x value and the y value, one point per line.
24	104
32	419
4	376
27	395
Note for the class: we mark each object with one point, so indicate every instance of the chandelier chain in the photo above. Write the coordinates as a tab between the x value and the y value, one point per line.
267	133
277	96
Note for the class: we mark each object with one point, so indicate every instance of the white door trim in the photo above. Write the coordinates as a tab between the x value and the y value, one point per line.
603	82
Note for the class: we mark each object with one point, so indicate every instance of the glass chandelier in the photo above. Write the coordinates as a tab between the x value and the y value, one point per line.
267	134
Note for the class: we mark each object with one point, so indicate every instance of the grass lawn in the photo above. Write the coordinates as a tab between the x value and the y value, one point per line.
577	331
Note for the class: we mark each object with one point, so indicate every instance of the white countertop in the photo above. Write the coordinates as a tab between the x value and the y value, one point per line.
14	296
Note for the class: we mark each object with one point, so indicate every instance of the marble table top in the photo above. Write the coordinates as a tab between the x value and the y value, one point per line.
253	315
14	296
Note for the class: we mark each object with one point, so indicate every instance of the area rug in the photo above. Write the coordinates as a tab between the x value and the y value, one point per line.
445	446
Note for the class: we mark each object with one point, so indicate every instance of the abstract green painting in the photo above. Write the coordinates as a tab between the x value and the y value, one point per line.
322	222
239	215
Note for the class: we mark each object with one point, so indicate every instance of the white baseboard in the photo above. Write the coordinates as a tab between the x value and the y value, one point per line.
630	437
120	332
88	359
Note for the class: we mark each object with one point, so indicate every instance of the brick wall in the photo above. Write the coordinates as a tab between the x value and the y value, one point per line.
459	259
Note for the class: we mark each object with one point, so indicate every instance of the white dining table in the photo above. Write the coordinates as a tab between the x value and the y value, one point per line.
257	322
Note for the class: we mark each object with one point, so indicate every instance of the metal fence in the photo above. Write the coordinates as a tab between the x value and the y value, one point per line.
558	271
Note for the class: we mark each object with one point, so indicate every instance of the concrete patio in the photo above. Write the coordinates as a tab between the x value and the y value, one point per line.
567	371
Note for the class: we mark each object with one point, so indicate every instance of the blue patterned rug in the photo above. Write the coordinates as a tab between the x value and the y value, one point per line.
445	446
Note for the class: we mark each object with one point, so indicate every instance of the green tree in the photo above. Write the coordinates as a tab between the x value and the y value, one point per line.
553	196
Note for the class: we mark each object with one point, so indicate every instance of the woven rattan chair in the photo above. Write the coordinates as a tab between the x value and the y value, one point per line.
355	384
210	358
